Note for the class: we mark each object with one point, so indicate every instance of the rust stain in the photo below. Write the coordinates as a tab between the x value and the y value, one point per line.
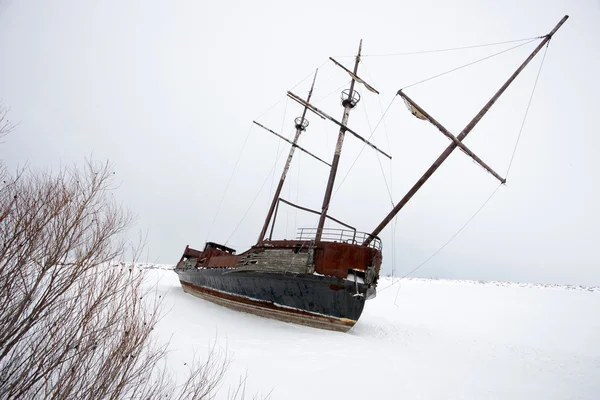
330	258
335	259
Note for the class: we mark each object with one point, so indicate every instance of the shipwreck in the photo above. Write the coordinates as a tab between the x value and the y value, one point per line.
323	277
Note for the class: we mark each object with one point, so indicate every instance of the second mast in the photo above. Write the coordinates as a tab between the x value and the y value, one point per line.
349	101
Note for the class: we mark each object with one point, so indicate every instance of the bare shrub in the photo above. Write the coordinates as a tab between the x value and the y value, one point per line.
75	324
5	124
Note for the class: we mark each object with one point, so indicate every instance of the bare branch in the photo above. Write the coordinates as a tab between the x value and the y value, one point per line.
6	126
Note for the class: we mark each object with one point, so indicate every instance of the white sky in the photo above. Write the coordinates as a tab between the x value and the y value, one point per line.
167	92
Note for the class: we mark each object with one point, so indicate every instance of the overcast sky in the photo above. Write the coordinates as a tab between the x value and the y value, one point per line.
167	92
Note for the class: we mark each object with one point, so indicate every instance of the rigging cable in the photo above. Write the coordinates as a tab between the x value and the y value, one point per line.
293	87
255	197
425	80
326	137
433	77
449	240
527	110
242	151
299	167
387	137
379	159
469	64
272	169
278	145
333	91
228	183
491	195
363	148
389	190
289	196
446	49
324	81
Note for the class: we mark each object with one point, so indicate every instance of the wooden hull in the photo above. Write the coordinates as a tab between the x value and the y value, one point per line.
308	299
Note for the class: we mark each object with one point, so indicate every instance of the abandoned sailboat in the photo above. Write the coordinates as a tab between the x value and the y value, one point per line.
323	277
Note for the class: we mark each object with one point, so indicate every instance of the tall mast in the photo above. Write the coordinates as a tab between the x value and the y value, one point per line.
436	164
348	102
301	124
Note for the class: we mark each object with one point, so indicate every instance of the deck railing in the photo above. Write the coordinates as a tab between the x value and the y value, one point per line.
338	235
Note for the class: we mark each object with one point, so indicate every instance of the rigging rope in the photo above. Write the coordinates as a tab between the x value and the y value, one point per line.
274	165
326	137
395	220
383	119
491	195
324	81
527	111
333	91
468	64
378	158
446	49
527	41
387	137
228	183
255	197
242	151
299	167
379	122
363	148
293	87
289	196
447	242
279	144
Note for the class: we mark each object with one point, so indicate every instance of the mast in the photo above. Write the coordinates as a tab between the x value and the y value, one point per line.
437	163
301	124
349	102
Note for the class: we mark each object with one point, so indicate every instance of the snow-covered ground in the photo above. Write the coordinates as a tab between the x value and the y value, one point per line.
432	339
